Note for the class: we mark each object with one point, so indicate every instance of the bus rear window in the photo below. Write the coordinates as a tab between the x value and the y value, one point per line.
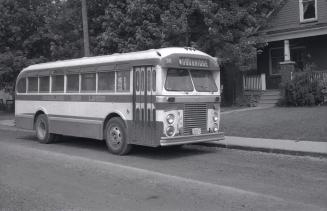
178	80
21	86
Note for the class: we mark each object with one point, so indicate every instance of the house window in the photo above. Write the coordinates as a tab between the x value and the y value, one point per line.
276	56
308	10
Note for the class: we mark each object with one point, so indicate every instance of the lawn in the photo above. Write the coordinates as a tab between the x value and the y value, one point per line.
305	123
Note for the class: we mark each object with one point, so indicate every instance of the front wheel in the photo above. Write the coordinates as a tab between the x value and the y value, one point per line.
116	138
42	130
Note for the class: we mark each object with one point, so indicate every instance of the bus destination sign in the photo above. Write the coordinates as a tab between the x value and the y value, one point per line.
193	62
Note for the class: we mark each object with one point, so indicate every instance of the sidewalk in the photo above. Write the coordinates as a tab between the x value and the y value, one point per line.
311	148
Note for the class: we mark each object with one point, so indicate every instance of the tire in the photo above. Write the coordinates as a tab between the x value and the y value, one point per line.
42	130
116	137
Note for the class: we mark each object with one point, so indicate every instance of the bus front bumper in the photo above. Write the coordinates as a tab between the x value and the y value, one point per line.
178	140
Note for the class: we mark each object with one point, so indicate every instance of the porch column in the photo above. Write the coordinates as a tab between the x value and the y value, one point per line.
287	52
287	67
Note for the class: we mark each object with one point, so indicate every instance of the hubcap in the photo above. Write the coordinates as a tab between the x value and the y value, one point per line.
115	137
41	130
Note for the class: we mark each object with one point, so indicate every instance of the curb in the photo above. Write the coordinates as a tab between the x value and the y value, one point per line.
291	147
246	109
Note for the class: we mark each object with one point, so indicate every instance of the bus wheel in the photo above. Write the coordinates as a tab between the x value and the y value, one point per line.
42	130
115	135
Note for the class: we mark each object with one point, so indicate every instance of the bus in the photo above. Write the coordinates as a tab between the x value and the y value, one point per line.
159	97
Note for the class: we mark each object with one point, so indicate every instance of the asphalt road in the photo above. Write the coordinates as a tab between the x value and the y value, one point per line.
79	174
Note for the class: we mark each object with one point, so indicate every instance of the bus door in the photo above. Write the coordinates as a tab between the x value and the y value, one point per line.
143	106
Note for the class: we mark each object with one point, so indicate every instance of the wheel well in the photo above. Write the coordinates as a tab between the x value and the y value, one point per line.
112	115
35	116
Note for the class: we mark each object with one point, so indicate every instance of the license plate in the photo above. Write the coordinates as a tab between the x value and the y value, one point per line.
196	131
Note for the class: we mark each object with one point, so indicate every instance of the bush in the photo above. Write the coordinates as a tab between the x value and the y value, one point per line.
302	91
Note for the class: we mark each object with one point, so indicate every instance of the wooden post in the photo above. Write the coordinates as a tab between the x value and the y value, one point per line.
263	81
85	29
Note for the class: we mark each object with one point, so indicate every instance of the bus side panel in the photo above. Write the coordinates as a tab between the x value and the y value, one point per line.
133	133
76	127
24	121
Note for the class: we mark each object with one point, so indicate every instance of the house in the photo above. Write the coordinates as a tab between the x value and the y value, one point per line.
296	41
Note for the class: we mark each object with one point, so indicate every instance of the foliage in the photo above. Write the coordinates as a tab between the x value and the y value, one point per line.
45	30
303	91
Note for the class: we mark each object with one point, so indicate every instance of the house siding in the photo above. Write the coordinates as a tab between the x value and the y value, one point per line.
288	16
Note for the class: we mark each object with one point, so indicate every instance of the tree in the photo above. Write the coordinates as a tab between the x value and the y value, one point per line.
45	30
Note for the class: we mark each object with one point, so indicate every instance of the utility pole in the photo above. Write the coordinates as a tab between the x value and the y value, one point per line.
85	30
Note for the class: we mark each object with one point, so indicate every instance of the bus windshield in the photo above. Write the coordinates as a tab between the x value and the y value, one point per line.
203	81
180	80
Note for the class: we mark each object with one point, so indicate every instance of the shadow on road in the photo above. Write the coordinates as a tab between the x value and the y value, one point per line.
158	153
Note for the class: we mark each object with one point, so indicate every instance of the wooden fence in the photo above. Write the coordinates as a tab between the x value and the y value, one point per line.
254	82
319	75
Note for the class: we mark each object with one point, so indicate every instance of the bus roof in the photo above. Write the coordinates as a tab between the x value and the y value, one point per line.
118	57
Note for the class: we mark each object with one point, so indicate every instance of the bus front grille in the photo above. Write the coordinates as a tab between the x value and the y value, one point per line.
195	116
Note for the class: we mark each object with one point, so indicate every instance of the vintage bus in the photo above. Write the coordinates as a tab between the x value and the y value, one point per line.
158	97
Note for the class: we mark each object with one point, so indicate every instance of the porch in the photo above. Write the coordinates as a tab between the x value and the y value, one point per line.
255	86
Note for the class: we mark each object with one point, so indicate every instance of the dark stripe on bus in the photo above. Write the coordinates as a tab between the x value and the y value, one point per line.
177	106
78	98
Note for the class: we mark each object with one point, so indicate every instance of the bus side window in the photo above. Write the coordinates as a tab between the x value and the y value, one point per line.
21	85
123	81
32	84
72	83
154	81
44	83
58	83
88	82
106	81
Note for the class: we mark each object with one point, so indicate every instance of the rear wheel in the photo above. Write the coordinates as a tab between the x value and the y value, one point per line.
42	130
116	137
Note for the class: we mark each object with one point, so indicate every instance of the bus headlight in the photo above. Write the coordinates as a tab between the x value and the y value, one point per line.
215	128
170	131
170	118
